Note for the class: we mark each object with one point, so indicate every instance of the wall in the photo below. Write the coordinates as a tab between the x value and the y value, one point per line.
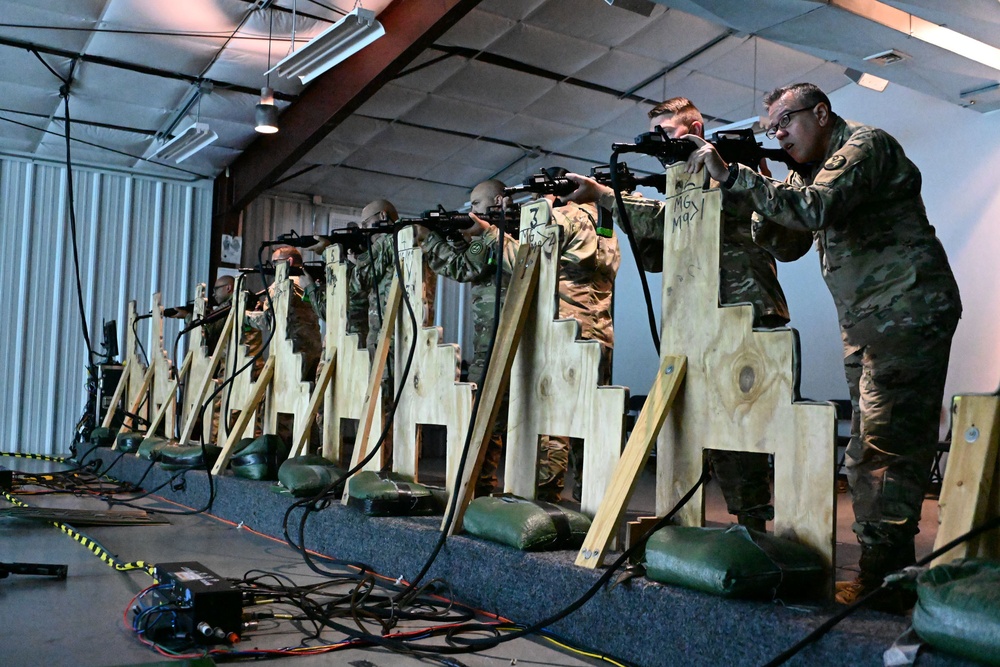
958	152
134	236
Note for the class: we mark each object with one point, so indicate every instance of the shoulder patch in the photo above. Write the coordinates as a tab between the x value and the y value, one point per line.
835	162
476	247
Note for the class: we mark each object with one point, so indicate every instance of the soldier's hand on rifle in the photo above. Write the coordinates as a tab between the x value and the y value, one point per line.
706	156
322	243
478	228
589	190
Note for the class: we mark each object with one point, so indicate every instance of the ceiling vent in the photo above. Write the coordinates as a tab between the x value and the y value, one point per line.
887	57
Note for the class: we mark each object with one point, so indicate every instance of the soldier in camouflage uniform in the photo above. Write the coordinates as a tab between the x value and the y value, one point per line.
222	295
588	264
314	293
303	325
747	274
457	258
896	298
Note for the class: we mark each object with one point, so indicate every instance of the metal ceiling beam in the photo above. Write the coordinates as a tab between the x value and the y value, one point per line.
411	26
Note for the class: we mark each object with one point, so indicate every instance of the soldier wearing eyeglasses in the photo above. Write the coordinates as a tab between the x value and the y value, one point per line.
897	301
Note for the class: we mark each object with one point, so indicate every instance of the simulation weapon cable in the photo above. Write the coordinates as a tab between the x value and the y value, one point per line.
828	625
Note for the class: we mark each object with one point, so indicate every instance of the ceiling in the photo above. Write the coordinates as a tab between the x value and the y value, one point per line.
514	85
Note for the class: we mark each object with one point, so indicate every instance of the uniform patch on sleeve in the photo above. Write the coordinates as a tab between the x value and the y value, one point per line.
476	247
835	162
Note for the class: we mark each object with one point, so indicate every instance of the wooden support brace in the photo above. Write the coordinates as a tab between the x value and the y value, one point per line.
520	295
246	414
141	395
390	310
322	382
117	396
630	465
206	380
161	412
971	484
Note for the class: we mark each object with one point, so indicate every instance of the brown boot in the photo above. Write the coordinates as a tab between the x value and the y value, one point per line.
877	561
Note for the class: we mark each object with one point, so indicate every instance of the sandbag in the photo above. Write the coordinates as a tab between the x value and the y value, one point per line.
734	562
259	458
307	475
958	609
175	456
388	494
129	441
103	437
149	449
528	525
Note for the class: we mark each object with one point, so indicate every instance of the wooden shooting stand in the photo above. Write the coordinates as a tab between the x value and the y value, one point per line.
244	384
738	393
432	393
554	381
345	359
970	493
134	381
281	379
163	390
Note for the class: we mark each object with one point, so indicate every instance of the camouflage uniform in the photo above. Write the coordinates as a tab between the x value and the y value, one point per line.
368	285
588	264
302	328
898	306
457	259
747	274
213	330
357	318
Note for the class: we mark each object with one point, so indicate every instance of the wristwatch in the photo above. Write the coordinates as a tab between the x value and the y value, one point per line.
734	173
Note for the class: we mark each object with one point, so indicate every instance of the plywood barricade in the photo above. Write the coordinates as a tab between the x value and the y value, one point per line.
130	385
739	389
344	398
163	390
970	492
553	382
432	393
201	359
238	355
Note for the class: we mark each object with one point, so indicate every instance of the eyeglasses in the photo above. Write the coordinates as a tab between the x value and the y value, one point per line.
783	122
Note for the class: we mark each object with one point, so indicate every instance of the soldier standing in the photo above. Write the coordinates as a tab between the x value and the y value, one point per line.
897	302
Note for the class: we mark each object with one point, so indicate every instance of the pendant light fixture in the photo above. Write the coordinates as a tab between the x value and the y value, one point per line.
266	114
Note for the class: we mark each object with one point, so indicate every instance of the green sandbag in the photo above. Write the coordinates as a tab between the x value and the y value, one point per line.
958	609
150	448
175	456
734	562
388	494
307	475
528	525
102	437
129	441
259	458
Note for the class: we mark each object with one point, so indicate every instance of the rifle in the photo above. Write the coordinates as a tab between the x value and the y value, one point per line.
733	145
628	180
455	222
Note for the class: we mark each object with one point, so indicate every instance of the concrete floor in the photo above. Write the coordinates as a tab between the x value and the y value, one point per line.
78	622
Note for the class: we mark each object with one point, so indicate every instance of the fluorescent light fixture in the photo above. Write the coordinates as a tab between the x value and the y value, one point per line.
266	114
866	80
187	143
924	30
335	44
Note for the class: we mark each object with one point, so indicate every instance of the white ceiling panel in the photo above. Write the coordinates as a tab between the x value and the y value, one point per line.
578	106
512	9
427	79
460	174
712	96
619	70
594	21
79	17
766	64
672	36
477	30
508	90
736	13
528	130
596	146
488	155
389	161
419	196
437	111
391	101
548	50
419	141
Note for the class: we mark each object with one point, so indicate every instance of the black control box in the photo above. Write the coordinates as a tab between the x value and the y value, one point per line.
211	608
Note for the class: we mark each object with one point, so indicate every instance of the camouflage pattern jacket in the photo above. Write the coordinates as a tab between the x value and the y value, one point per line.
588	264
862	205
747	272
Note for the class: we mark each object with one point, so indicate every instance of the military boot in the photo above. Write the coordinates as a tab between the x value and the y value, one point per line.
878	560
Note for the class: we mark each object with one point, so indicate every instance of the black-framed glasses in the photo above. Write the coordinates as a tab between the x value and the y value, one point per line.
783	122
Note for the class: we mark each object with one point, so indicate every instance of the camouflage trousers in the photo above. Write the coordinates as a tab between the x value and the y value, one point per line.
487	480
744	478
554	451
896	377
